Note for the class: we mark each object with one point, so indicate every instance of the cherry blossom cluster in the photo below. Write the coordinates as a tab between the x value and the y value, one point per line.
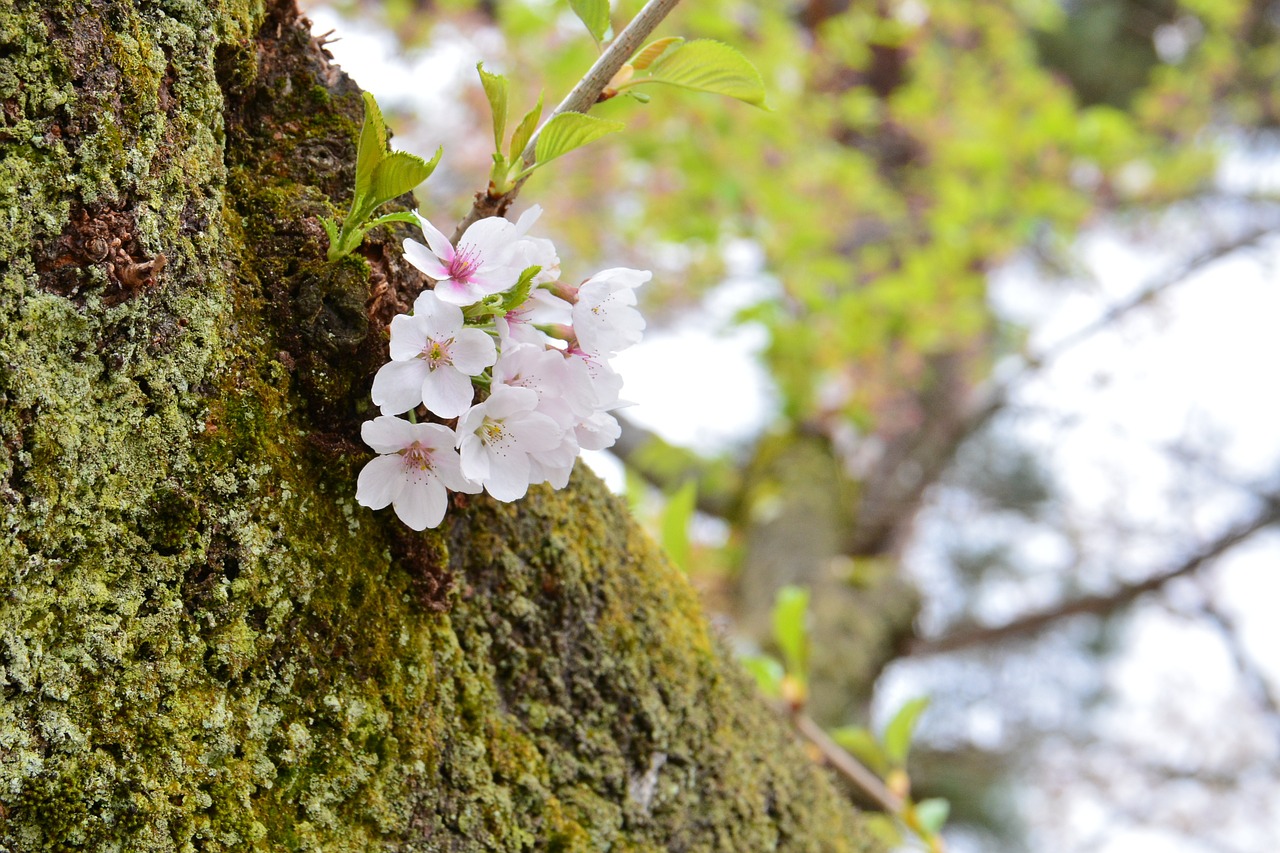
511	363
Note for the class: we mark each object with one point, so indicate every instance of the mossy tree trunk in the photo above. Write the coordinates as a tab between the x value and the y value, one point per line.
205	644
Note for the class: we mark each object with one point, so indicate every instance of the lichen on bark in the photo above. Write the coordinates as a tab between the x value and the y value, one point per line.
204	643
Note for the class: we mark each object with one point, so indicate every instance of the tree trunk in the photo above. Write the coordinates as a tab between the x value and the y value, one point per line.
205	644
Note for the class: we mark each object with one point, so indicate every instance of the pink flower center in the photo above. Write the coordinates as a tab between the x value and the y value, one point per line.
437	353
465	262
417	456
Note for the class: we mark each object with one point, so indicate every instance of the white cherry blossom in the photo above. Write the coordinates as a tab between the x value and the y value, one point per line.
481	264
497	436
604	317
416	467
433	357
535	251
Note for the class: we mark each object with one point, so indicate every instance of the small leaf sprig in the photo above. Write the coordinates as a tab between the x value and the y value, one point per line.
877	765
381	175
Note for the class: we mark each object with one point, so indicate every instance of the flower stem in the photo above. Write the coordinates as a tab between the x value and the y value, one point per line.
579	100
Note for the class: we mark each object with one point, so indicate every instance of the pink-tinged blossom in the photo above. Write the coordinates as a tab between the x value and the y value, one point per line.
433	357
594	370
481	264
416	467
604	317
497	436
520	324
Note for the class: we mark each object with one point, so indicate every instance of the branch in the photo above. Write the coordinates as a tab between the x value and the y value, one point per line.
1098	605
848	766
579	100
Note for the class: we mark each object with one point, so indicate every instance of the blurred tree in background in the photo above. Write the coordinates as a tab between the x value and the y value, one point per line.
913	149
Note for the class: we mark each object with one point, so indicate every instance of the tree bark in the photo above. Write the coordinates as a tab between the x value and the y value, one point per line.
205	644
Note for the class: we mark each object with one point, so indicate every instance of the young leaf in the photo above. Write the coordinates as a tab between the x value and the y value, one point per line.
884	828
331	230
931	814
519	292
525	129
399	216
646	55
767	672
496	90
862	745
372	148
399	173
593	13
568	131
897	734
790	631
675	523
710	66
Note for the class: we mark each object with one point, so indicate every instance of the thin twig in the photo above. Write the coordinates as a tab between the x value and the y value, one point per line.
848	766
579	100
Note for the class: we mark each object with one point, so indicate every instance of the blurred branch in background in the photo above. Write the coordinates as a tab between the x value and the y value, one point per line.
1100	605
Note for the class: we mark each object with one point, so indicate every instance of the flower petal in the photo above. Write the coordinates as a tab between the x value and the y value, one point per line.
473	351
408	337
510	480
457	292
447	392
507	400
422	505
422	258
474	460
440	319
386	434
397	386
381	481
435	239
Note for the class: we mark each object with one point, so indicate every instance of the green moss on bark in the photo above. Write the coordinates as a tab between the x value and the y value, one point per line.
204	643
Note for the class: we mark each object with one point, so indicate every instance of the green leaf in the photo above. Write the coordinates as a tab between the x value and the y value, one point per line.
525	129
637	489
331	230
790	628
897	734
709	66
519	292
646	55
496	90
399	216
862	745
676	516
568	131
398	173
767	672
372	148
593	13
883	827
932	814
